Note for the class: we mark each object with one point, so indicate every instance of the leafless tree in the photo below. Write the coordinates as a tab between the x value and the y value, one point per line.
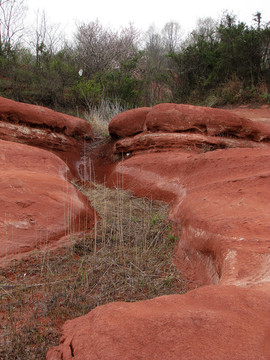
154	65
99	48
206	29
11	23
172	34
258	19
154	48
46	37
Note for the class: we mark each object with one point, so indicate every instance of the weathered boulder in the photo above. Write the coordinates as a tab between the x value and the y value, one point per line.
209	323
42	118
34	125
171	117
220	212
179	117
39	208
129	122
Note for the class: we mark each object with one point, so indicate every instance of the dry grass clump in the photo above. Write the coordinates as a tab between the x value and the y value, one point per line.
128	257
100	116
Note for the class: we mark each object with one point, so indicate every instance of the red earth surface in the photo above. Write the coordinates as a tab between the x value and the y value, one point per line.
40	208
211	165
40	151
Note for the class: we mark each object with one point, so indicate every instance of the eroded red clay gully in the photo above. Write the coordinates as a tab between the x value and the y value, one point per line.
220	211
213	167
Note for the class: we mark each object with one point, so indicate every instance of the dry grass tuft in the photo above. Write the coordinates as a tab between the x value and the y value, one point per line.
128	258
99	117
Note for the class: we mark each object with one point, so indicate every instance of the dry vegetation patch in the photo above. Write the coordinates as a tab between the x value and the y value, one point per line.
100	116
128	257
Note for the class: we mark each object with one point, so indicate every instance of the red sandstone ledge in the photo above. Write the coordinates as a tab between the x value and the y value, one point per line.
220	209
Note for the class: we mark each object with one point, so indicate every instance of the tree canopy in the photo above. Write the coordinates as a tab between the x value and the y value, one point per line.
220	61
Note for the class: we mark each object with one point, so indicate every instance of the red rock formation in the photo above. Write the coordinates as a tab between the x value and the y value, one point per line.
261	113
220	211
223	208
39	208
62	134
149	142
42	118
213	322
128	123
179	118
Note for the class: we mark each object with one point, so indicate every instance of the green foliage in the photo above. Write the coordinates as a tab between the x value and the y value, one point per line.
123	87
225	62
121	83
155	219
89	91
233	51
266	97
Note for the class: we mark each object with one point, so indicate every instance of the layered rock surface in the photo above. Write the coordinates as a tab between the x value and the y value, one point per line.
187	118
197	325
34	125
221	214
39	208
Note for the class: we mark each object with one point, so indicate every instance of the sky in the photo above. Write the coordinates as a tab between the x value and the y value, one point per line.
142	13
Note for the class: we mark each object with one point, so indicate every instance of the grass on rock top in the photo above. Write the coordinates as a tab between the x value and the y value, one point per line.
128	257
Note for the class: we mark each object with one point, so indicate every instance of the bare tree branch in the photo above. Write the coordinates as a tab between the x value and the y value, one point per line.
11	23
100	49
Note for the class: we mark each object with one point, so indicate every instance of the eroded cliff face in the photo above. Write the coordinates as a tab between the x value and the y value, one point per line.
39	207
213	167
